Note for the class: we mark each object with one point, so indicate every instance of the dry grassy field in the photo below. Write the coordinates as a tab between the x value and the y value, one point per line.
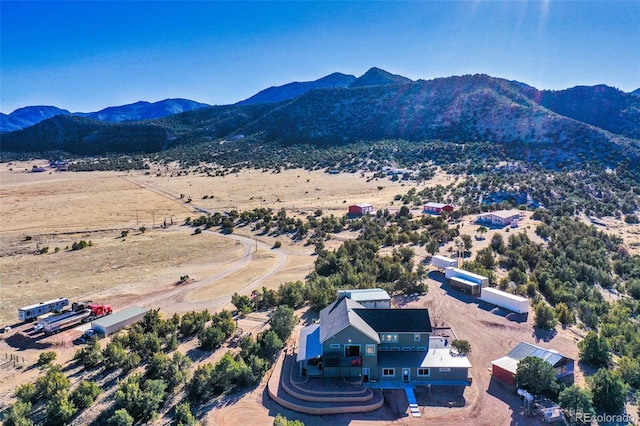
54	210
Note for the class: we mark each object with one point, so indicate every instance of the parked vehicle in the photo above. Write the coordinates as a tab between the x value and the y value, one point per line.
442	262
86	336
80	313
31	312
512	302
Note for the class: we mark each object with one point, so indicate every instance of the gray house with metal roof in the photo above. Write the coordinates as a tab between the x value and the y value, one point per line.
383	347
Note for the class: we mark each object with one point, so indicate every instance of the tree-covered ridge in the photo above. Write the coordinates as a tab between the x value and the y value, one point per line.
456	109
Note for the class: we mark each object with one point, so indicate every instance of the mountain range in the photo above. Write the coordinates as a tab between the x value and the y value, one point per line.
28	116
538	125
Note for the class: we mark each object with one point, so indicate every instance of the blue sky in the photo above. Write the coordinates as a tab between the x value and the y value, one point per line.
87	55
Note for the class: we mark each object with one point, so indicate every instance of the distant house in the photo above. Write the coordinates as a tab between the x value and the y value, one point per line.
59	165
384	348
406	173
500	218
37	169
374	298
360	209
437	208
505	368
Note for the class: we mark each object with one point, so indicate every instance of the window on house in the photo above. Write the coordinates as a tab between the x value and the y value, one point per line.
383	349
389	338
388	372
351	350
445	370
370	350
406	348
416	337
395	349
421	348
335	346
423	372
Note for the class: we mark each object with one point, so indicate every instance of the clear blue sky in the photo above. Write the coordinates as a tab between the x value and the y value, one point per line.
87	55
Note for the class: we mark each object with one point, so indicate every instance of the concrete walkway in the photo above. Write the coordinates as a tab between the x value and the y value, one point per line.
413	402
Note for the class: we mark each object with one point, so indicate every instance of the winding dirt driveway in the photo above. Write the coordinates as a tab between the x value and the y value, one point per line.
176	299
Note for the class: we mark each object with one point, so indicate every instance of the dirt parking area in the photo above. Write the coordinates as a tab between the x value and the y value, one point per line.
492	335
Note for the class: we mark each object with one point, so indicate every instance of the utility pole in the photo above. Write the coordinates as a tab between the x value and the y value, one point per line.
137	223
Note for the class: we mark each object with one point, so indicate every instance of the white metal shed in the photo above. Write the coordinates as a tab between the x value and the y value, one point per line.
110	324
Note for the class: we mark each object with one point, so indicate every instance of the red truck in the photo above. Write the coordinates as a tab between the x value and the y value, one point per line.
98	310
80	313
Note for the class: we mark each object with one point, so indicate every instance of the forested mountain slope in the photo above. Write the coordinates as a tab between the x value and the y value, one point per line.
552	128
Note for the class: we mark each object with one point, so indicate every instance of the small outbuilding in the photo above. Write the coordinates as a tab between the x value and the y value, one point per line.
360	209
110	324
372	298
505	368
437	208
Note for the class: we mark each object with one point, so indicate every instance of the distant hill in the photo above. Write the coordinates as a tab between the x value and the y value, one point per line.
547	127
86	136
636	92
293	90
602	106
28	116
144	110
378	77
467	108
373	77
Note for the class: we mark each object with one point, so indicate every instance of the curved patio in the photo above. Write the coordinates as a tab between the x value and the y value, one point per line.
311	395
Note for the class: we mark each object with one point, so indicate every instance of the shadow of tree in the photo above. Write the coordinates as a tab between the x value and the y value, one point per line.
544	335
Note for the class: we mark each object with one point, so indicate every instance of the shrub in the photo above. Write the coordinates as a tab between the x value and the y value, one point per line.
18	415
283	321
91	355
211	338
594	350
608	389
60	408
184	416
79	245
85	394
536	375
52	382
631	218
26	392
121	417
462	346
545	316
277	244
140	399
47	357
